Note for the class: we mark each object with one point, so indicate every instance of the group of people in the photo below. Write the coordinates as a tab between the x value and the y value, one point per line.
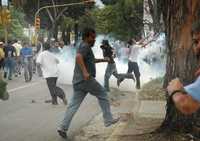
14	57
185	98
18	58
84	81
134	47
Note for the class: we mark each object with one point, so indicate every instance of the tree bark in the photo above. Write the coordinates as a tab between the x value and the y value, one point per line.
181	62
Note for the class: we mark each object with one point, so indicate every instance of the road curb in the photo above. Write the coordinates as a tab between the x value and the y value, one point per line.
120	127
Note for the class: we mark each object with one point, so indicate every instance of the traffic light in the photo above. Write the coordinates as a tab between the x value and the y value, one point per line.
7	16
37	23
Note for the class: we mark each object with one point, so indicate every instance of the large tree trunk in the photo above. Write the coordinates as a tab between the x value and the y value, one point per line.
181	62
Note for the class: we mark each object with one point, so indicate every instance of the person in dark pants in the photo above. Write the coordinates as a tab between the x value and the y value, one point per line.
134	48
48	63
84	82
10	54
111	69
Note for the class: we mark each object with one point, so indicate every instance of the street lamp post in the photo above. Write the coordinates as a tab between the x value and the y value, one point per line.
61	5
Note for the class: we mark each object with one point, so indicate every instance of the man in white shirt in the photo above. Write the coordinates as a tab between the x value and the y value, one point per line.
17	45
134	48
49	65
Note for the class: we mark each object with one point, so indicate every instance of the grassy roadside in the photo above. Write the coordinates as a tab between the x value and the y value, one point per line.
153	90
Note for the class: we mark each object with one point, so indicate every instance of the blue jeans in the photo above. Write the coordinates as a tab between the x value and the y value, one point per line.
9	67
112	70
80	91
28	68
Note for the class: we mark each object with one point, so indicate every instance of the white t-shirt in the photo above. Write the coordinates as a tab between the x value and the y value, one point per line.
18	47
49	64
134	52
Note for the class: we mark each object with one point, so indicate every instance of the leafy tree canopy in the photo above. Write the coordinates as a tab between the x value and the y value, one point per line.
123	20
16	27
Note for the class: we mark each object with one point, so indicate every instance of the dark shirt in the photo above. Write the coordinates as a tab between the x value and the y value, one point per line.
89	60
108	52
9	51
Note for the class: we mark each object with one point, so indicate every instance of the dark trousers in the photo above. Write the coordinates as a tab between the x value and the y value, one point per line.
133	67
54	90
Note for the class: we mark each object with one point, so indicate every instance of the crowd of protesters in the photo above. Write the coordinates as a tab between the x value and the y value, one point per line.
19	58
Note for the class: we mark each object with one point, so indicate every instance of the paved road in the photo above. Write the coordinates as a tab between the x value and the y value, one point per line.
22	120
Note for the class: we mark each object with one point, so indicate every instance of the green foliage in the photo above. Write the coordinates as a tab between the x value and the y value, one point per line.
15	29
123	20
2	88
67	23
86	21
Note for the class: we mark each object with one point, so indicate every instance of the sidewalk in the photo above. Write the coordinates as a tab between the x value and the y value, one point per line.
147	118
137	118
122	105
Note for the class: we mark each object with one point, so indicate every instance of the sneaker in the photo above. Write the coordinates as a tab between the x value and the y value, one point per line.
109	123
118	82
48	101
62	133
54	103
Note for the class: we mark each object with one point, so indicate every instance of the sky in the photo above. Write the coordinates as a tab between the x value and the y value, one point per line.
99	3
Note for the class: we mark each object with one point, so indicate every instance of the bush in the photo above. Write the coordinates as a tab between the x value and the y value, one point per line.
3	90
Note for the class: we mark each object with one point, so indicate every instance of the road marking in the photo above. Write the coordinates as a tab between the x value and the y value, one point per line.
23	87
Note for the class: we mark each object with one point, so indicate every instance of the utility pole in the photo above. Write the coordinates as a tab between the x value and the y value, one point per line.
53	6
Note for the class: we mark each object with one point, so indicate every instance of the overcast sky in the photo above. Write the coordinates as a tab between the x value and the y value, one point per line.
99	3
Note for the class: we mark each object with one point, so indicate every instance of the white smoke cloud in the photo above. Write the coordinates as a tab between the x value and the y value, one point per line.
148	71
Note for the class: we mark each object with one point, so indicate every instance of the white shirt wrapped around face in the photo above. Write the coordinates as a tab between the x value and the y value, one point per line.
49	64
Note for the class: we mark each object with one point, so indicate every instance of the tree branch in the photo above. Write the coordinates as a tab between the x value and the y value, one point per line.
50	16
55	11
61	13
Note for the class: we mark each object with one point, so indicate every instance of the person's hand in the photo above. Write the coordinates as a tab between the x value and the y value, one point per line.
197	73
86	76
174	85
107	59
